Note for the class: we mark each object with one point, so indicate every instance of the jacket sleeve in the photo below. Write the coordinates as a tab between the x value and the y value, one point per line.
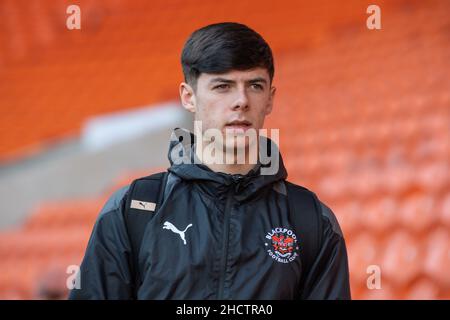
328	278
104	272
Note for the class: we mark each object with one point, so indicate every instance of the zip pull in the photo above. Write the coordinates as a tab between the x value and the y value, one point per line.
237	178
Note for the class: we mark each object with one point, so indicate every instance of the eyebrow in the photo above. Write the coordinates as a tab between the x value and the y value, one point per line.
224	80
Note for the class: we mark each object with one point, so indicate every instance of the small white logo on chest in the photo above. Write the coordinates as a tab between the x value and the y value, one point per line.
171	227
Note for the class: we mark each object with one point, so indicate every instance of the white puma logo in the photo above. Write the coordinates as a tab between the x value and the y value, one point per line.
169	226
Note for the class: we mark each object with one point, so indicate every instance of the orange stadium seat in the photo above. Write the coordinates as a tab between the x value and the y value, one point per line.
385	292
444	209
65	214
380	214
437	259
433	176
402	258
398	179
423	289
363	251
418	212
349	216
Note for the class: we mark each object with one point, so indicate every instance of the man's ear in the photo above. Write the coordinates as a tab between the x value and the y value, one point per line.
187	96
270	102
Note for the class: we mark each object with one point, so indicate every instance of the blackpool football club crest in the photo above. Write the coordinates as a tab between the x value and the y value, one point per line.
281	245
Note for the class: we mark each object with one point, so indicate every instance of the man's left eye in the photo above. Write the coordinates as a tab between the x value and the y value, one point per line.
221	86
257	86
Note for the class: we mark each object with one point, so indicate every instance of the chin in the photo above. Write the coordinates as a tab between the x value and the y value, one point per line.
239	143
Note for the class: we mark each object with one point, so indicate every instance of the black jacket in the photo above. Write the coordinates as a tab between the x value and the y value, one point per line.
213	238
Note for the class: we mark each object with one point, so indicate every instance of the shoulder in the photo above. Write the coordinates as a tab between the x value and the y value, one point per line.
113	204
115	201
326	214
330	218
300	188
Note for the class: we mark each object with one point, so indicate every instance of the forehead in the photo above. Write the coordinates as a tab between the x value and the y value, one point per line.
235	75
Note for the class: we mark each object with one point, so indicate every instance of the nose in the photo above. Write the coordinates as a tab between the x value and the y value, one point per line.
241	101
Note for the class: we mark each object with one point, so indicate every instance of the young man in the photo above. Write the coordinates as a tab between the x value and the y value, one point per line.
218	229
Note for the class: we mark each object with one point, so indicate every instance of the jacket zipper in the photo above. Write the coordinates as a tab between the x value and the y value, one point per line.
226	233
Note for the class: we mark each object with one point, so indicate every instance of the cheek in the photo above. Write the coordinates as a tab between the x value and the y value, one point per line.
260	100
260	121
260	108
210	113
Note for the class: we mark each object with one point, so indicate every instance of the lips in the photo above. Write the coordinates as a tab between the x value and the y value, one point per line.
239	122
238	125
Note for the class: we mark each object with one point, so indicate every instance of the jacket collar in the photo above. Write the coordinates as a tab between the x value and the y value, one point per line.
182	160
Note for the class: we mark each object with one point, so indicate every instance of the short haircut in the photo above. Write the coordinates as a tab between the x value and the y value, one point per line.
222	47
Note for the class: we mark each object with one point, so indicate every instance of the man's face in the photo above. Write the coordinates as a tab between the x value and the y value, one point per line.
235	101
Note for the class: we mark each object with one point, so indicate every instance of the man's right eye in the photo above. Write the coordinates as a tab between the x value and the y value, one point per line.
221	86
